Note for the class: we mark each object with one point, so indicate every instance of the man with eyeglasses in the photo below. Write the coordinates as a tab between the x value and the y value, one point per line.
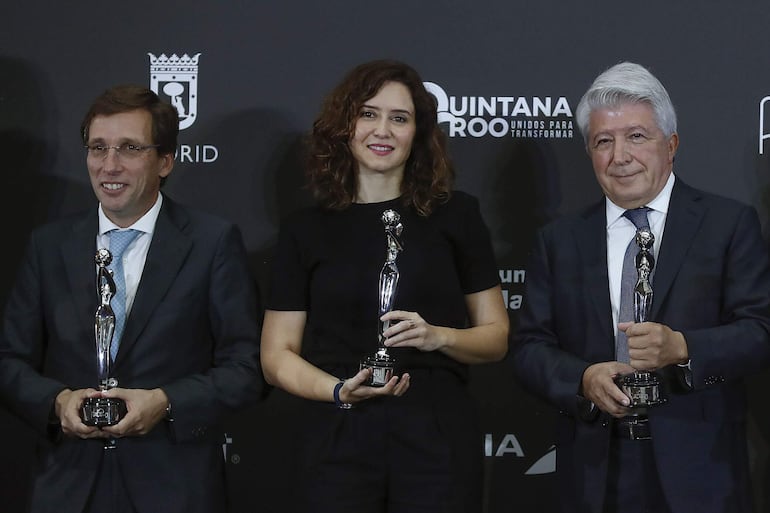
187	349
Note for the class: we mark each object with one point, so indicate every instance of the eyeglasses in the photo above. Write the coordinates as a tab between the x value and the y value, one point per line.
127	151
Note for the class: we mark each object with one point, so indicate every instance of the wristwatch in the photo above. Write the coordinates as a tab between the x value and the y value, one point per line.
337	400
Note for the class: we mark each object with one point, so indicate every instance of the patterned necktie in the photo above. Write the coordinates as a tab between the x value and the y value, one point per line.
119	241
628	279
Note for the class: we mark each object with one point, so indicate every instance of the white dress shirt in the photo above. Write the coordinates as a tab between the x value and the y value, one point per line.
136	254
620	231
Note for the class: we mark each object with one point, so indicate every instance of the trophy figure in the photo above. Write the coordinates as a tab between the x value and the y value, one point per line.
643	388
102	411
381	363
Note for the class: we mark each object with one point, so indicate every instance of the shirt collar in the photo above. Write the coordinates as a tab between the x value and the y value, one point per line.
659	204
145	224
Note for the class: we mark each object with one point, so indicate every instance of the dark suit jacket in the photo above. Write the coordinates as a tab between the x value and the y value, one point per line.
193	331
712	283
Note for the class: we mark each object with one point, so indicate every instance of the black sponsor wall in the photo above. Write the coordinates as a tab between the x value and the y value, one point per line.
250	78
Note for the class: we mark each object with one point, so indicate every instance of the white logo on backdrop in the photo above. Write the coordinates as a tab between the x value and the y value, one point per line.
176	78
764	131
509	445
503	116
512	278
233	457
545	465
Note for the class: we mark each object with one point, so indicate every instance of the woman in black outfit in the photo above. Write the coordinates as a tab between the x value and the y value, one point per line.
412	445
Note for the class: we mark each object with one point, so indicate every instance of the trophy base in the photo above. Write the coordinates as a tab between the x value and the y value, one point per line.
102	411
644	389
382	370
633	427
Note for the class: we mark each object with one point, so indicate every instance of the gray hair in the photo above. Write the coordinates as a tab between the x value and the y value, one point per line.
627	83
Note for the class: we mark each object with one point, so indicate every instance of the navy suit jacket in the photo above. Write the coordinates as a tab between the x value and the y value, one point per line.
712	283
193	331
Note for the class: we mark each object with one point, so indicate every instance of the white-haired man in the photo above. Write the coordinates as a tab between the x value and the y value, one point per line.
708	326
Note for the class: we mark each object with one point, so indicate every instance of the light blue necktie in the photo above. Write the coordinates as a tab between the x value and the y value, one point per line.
119	241
628	280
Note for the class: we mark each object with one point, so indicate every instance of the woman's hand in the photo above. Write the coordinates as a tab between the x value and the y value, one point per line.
354	390
411	330
284	366
486	340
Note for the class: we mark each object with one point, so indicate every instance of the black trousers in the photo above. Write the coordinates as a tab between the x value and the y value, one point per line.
420	453
633	484
109	494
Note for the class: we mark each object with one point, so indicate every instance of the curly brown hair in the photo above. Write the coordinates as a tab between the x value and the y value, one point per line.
332	169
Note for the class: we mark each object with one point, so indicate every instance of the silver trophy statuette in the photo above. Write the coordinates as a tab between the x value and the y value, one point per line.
643	388
381	363
100	411
645	263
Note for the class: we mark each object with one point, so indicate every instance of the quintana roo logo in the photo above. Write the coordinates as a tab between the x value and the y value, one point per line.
547	117
442	101
175	79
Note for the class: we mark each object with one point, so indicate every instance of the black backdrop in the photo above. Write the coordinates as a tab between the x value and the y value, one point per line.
511	73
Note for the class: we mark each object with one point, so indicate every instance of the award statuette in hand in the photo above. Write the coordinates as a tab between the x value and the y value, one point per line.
381	363
643	388
102	411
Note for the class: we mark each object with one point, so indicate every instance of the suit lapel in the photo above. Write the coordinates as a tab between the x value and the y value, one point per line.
168	251
683	220
78	252
591	241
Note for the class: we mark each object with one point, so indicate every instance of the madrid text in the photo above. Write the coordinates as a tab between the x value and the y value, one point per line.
199	153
